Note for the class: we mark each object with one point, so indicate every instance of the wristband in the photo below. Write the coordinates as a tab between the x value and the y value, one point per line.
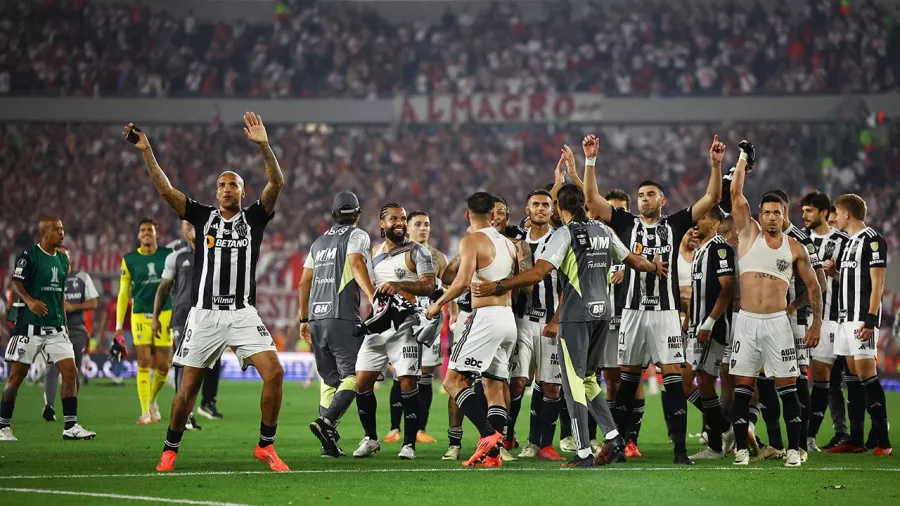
871	321
592	161
743	156
304	320
708	324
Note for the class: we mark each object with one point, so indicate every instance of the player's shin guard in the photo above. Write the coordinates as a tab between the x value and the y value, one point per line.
675	408
468	402
803	397
792	417
367	406
266	434
740	414
550	409
771	411
637	419
396	405
856	409
143	388
159	381
411	408
340	401
625	400
6	413
426	395
70	411
877	410
712	410
515	408
537	402
818	404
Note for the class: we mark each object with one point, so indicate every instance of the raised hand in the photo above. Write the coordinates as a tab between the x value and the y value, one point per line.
590	145
716	151
748	148
569	157
560	172
143	143
254	128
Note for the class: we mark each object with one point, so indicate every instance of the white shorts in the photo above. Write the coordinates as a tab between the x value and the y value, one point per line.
431	355
611	350
650	337
458	327
533	350
847	345
486	343
799	332
26	342
208	332
707	358
763	341
399	347
824	351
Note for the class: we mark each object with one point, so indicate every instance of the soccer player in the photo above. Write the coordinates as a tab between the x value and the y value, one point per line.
712	292
39	280
81	296
830	244
582	252
403	267
537	325
141	275
335	270
862	268
651	329
763	338
224	290
420	232
178	273
490	332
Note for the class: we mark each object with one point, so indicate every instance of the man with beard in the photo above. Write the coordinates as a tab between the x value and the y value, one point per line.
651	329
403	267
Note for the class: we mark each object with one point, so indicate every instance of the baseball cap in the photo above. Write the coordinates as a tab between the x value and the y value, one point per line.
345	203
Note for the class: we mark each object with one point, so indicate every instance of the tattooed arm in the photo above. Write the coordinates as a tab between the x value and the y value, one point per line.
256	132
524	262
174	197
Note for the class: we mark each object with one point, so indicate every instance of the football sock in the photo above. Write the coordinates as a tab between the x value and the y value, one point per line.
877	408
411	408
792	418
836	403
70	411
712	408
497	417
367	406
143	388
625	401
537	401
675	407
803	397
468	402
637	417
6	412
210	388
455	434
856	409
396	406
266	435
173	440
818	404
550	409
740	414
515	408
159	381
771	411
426	395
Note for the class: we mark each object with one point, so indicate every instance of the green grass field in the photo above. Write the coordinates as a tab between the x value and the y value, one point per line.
216	466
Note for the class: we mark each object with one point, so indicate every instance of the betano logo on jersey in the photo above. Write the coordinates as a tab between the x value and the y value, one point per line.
640	249
212	242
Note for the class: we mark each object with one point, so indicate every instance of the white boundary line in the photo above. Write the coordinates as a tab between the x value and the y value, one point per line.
436	470
116	496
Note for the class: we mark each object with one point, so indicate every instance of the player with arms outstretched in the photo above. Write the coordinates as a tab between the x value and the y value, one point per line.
224	315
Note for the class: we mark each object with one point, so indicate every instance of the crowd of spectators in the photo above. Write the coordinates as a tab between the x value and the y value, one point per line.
338	49
97	183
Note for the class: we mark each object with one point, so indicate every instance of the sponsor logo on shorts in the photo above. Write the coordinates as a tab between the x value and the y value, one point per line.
675	342
223	300
554	359
410	352
263	331
789	355
471	362
733	362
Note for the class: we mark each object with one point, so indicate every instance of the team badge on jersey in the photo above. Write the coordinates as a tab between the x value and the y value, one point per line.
810	248
722	254
240	228
782	264
874	245
400	273
829	250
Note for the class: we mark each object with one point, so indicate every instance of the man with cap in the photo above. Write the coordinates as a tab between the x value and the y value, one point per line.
335	270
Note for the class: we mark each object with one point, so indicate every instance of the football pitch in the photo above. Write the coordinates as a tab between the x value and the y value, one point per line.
216	465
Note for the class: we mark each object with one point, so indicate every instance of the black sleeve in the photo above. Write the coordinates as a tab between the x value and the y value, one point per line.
876	248
725	259
621	223
725	202
681	222
814	259
24	268
196	213
257	215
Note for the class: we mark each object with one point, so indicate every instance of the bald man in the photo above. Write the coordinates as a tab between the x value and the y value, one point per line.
39	280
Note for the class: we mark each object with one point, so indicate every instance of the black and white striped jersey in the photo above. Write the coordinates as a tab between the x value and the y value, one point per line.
644	290
830	247
864	250
711	261
225	255
797	287
541	303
